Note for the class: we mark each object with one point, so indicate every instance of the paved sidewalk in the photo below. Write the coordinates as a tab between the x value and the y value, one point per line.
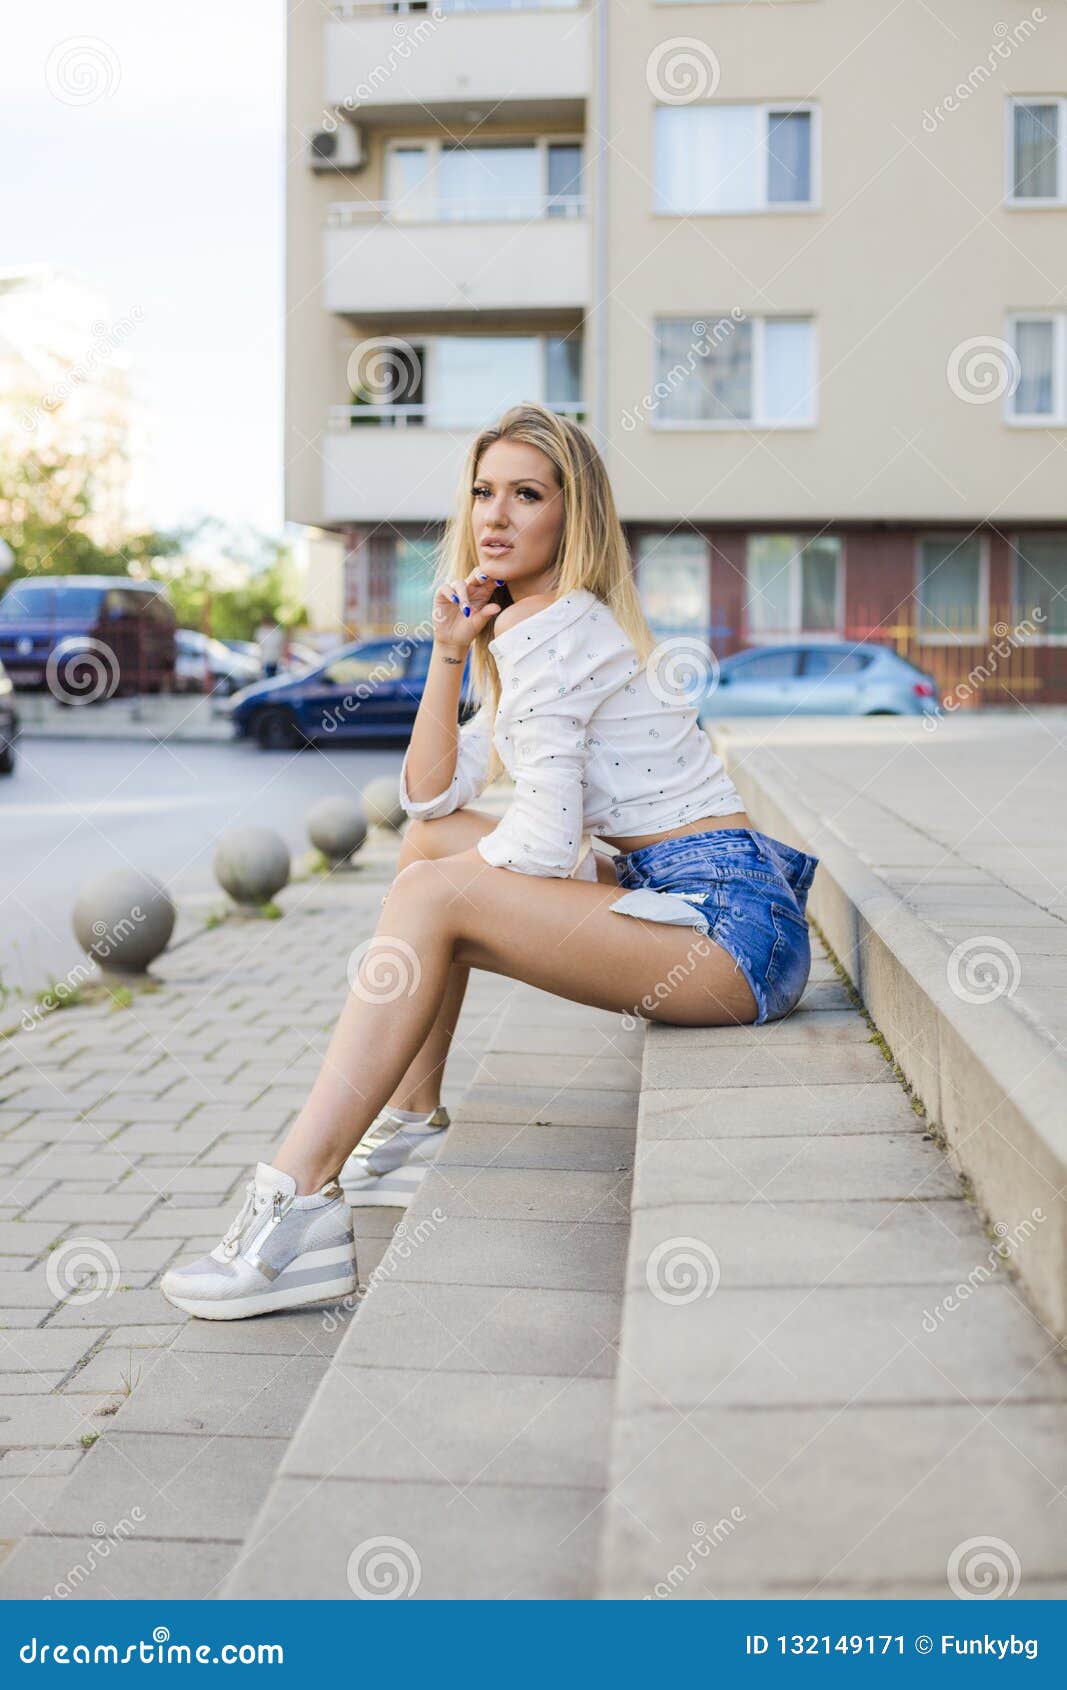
126	1137
190	717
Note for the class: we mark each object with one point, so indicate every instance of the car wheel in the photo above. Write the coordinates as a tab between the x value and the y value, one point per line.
7	760
276	730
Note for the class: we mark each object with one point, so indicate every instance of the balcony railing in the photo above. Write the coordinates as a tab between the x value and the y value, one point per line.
343	417
347	9
505	208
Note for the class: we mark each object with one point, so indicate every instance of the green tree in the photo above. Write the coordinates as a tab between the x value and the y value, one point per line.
46	500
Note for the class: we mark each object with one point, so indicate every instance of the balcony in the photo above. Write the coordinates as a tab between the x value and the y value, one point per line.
531	257
385	67
399	465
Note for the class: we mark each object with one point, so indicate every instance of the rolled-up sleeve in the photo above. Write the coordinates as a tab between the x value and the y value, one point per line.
472	769
549	709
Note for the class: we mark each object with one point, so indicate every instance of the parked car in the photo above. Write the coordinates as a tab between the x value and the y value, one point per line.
819	678
125	627
9	724
367	690
201	659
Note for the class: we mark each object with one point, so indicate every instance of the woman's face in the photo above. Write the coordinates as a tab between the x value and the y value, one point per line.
517	514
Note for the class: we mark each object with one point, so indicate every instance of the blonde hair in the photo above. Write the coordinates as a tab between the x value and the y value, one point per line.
592	551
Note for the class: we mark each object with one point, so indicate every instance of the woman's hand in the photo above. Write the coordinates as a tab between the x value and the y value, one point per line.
462	608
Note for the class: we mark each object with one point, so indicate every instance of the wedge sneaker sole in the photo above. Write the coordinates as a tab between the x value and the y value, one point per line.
297	1287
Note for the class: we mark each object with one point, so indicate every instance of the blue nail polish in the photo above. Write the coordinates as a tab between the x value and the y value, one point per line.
455	598
500	583
466	610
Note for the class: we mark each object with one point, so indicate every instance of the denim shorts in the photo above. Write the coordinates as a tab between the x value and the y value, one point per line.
745	890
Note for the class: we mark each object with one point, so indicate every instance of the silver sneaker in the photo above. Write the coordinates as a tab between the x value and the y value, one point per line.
280	1251
390	1161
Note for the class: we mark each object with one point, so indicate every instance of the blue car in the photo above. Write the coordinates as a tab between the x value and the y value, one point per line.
819	678
369	690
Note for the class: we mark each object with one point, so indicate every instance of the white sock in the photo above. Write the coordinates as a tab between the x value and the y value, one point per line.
411	1118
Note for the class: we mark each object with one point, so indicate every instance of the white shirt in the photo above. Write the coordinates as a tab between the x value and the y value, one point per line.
591	745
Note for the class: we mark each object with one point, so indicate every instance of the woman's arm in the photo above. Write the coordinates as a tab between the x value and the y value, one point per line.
550	704
438	747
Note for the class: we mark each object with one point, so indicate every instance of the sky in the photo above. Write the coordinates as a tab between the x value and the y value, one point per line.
166	188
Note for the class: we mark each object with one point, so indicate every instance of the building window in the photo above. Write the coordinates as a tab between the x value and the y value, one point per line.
950	589
414	561
723	158
673	581
734	372
794	586
492	181
1040	343
1037	151
1041	582
466	381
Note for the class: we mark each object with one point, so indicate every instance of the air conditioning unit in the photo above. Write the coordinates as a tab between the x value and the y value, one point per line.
338	149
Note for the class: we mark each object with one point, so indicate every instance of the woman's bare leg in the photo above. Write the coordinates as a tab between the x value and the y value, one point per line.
425	841
560	935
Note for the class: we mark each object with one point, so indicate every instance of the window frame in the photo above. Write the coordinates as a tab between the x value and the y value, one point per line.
1014	540
740	425
1057	417
764	206
796	633
435	146
930	636
1031	202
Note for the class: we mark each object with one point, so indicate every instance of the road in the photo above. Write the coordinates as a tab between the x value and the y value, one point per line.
74	808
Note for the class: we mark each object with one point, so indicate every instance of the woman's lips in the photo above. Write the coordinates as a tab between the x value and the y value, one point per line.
500	546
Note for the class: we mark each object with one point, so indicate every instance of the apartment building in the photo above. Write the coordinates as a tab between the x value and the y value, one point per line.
797	264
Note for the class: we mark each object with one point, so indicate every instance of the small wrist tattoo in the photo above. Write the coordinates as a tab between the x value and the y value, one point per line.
445	659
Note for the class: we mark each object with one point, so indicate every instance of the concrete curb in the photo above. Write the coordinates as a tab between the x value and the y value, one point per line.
992	1083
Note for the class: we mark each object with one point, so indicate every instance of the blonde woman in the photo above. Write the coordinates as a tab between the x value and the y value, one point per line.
535	587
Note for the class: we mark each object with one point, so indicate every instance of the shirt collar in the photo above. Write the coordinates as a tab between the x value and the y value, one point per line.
528	633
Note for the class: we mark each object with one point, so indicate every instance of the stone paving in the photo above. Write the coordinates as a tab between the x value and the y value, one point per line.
126	1136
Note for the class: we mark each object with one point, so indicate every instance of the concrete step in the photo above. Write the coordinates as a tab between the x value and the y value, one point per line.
457	1447
927	898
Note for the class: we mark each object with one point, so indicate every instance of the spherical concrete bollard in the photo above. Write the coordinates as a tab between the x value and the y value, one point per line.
337	827
251	864
381	799
123	920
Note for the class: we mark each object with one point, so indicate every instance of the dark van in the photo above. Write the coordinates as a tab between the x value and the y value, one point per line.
88	636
